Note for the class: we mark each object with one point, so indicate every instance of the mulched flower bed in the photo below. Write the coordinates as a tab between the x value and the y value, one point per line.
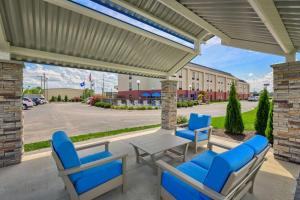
241	137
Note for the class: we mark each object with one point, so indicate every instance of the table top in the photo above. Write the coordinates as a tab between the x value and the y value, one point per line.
158	142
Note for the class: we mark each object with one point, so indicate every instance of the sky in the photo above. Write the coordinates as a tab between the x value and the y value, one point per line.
253	67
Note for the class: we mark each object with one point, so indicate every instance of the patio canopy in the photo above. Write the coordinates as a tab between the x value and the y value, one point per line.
65	33
146	95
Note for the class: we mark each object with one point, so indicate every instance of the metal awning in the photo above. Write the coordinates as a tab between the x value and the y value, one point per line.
64	33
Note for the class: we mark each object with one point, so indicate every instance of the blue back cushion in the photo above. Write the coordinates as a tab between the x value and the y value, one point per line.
258	143
197	121
66	152
226	163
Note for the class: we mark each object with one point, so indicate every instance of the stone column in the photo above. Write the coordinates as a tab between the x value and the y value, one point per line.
11	120
168	104
286	116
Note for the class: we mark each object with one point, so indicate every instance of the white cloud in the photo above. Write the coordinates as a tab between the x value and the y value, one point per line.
250	74
257	83
212	42
63	77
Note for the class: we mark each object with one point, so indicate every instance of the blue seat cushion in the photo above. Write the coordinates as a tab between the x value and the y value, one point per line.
181	190
95	176
197	121
66	152
204	159
190	135
258	143
225	163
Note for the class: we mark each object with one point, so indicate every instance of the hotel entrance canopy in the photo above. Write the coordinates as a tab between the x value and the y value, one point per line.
68	33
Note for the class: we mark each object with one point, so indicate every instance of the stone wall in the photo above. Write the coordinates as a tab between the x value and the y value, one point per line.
11	120
286	120
168	104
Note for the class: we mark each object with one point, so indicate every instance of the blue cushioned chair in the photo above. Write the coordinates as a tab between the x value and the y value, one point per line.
211	175
198	129
89	176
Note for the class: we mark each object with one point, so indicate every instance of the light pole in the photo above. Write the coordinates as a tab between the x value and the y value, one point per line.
190	90
138	82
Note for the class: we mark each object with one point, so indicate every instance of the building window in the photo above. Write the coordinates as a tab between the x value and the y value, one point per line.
193	75
130	86
197	76
130	77
198	87
180	85
180	74
193	86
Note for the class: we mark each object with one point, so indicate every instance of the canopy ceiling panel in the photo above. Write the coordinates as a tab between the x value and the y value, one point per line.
40	31
236	18
290	15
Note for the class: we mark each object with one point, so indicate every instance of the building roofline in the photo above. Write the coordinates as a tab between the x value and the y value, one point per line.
211	69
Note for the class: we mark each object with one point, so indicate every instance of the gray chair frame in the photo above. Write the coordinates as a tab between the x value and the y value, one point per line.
237	185
99	190
195	142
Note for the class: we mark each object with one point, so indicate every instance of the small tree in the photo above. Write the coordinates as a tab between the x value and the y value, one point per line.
52	99
59	98
233	120
262	113
66	98
269	130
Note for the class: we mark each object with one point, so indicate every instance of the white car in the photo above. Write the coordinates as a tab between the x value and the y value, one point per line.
43	100
27	103
253	98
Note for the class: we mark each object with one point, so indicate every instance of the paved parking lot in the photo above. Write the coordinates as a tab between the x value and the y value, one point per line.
76	118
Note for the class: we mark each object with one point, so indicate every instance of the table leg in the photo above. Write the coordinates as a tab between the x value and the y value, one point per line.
153	164
137	154
185	152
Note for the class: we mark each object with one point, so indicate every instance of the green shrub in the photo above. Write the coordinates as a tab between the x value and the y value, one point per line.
181	119
66	99
59	98
179	104
262	113
98	104
190	103
130	108
149	108
233	120
269	130
156	107
107	105
196	103
185	104
53	99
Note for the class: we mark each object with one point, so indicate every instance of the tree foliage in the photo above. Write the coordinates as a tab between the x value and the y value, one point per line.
262	113
66	98
34	90
233	120
269	130
59	98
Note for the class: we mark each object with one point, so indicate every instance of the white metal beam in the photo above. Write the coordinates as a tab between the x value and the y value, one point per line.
185	12
151	17
290	57
255	46
114	22
182	63
72	60
268	13
4	45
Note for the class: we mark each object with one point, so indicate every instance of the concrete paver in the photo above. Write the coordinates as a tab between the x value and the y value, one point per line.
76	118
36	177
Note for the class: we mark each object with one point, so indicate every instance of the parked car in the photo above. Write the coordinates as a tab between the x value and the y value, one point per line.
27	103
37	101
253	98
43	100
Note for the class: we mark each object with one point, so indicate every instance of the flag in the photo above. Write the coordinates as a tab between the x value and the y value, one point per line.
82	84
90	77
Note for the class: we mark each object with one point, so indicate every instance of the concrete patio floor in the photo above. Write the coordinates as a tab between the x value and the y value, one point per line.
36	177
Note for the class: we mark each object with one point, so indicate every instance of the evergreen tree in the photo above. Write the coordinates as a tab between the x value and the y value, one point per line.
59	98
262	113
52	99
269	130
66	98
233	120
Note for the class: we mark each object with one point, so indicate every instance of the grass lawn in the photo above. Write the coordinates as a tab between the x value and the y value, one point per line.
248	119
83	137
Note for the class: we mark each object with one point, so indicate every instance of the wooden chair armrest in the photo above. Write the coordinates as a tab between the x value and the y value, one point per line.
91	165
223	146
190	181
182	125
106	143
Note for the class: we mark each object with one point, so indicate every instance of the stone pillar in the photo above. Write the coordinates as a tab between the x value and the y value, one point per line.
286	116
11	120
168	104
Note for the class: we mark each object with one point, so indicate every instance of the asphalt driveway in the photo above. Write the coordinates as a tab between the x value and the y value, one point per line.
77	118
